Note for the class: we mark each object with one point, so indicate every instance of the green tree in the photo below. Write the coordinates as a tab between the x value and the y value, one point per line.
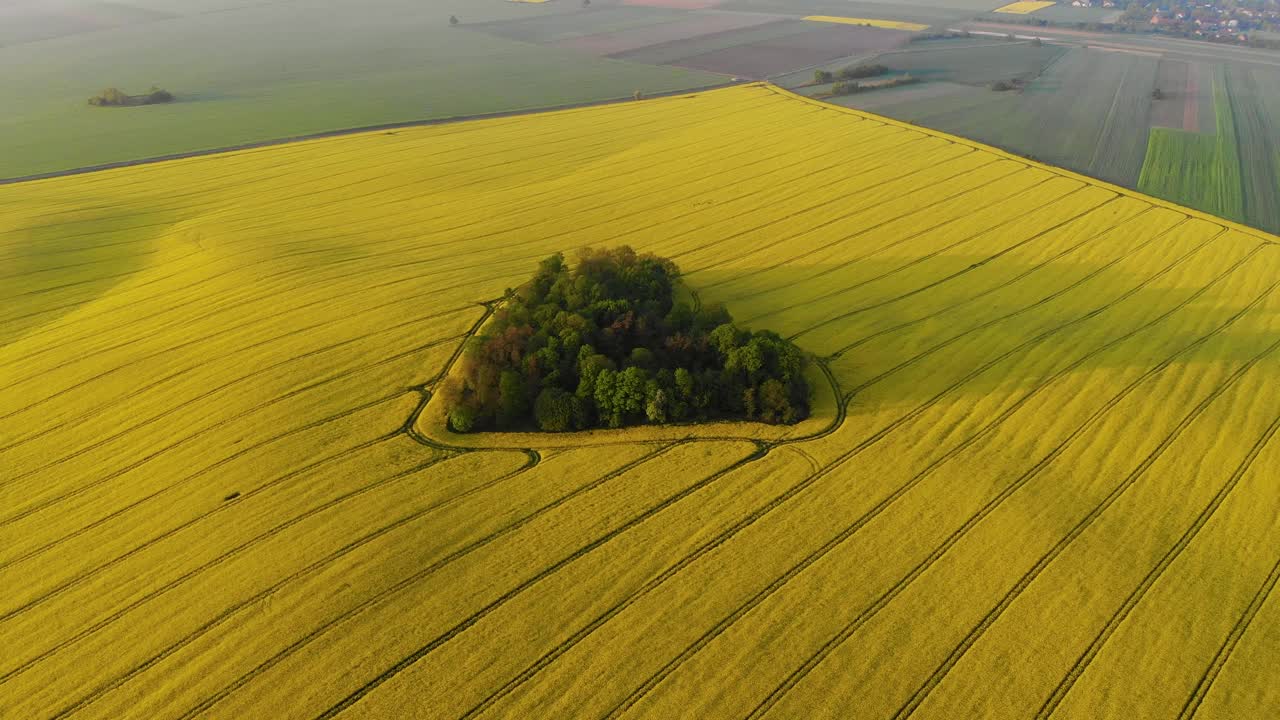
513	399
684	384
605	395
555	410
642	357
656	403
775	406
462	419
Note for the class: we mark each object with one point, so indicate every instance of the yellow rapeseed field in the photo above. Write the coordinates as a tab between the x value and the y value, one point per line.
1024	7
888	24
1041	481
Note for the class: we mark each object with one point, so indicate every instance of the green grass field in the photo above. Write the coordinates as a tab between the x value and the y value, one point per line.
1198	170
1255	129
976	64
255	70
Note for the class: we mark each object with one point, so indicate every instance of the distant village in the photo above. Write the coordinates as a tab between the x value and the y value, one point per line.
1247	22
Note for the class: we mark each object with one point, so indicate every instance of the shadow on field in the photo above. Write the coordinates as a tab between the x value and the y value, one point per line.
904	335
53	270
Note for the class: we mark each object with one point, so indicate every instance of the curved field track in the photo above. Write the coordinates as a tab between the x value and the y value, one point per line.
1042	481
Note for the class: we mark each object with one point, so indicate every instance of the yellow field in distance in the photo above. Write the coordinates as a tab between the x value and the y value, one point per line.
888	24
1040	481
1026	7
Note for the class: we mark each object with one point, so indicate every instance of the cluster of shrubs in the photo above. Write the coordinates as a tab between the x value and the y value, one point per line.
851	88
603	344
1007	85
852	72
115	97
948	35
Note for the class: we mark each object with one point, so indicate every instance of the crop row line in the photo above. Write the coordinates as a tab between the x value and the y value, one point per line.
209	361
255	193
559	650
956	536
120	511
264	295
426	572
778	198
953	276
590	150
1028	308
1006	221
671	571
539	141
243	156
181	579
29	273
662	193
1009	283
935	200
205	393
697	148
659	192
1121	613
100	568
529	202
82	578
546	572
533	455
309	195
1192	706
243	547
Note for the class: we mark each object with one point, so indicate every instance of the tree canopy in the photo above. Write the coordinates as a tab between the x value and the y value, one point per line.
604	344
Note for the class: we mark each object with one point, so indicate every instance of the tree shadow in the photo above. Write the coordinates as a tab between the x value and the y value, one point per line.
975	327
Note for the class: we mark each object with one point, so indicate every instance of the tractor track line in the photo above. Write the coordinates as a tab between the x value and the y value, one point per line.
401	584
207	361
408	239
958	274
1135	597
1043	301
250	602
1017	278
1006	221
977	631
394	155
546	572
889	595
933	201
27	555
142	461
853	210
720	627
154	540
1201	691
99	442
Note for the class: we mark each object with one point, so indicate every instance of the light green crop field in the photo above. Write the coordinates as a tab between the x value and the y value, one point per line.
1088	110
1198	170
1039	482
253	70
